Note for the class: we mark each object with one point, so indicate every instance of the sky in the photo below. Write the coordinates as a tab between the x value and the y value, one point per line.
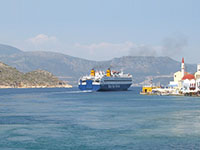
103	29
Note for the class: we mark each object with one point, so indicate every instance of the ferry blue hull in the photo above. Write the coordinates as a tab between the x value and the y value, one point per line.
114	87
108	87
91	88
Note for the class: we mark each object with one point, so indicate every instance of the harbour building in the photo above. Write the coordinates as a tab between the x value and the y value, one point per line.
185	82
177	83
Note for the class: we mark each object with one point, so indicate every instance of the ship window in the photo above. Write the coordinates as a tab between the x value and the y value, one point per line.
117	80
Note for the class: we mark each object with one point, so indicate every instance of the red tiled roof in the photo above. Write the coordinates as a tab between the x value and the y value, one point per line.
188	76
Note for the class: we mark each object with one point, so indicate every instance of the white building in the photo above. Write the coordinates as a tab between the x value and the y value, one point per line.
185	82
188	84
191	83
197	77
177	83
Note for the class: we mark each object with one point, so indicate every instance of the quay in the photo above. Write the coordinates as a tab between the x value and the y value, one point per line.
184	84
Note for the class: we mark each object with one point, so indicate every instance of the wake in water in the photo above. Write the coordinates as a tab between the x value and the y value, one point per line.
72	92
86	91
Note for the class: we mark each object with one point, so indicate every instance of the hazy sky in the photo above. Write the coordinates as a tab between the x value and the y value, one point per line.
103	29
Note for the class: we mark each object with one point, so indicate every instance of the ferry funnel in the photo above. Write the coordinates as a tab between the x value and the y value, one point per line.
92	73
108	72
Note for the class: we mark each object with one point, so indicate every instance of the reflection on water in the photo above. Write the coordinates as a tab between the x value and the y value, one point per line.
71	119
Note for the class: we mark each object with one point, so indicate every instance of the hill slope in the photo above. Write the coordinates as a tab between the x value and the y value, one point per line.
11	78
8	50
64	66
69	68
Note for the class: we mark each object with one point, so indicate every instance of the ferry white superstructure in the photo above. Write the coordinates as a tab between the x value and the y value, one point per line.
109	81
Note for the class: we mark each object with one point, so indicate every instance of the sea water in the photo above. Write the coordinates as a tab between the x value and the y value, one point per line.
62	119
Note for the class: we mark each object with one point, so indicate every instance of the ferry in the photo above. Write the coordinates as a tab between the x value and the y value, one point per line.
109	81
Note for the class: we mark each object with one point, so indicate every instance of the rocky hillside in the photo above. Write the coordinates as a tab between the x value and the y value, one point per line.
12	78
69	68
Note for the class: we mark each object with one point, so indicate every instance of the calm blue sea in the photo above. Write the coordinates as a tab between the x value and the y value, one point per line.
68	119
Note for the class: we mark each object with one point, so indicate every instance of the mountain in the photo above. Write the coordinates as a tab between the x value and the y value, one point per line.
64	66
8	50
12	78
143	69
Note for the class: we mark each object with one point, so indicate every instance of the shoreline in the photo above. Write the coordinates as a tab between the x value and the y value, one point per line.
184	95
33	87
